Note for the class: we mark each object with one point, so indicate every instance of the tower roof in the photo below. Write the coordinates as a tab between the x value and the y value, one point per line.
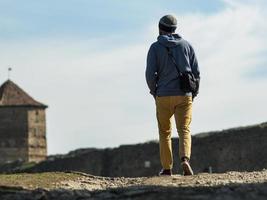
12	95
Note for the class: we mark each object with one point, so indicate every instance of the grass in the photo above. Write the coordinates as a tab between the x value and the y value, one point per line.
47	180
27	165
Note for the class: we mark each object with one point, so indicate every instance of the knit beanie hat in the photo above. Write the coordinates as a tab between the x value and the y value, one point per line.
168	23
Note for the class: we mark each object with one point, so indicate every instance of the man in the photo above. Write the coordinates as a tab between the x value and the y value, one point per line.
164	84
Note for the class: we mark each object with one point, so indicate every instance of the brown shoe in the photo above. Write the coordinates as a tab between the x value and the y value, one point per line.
187	168
165	172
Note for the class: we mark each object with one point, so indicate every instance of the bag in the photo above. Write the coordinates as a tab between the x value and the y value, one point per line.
188	82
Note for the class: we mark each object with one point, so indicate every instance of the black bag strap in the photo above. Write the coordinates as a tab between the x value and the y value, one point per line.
173	60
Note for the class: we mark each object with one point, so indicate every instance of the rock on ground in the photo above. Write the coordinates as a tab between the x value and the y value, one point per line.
227	186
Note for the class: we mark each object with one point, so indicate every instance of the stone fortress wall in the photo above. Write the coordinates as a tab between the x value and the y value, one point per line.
240	149
22	134
13	137
22	125
37	150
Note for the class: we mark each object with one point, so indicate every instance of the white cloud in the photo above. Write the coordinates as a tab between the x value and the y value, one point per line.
229	45
97	96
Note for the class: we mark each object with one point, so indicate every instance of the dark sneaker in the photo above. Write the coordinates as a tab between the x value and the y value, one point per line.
187	168
165	172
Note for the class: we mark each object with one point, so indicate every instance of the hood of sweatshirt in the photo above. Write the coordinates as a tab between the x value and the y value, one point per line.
169	40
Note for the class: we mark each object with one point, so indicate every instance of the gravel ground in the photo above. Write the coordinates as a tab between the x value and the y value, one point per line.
226	186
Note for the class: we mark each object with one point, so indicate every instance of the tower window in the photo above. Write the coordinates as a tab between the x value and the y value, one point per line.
35	132
36	116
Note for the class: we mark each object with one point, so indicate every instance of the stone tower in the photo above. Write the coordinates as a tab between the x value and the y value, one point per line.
22	125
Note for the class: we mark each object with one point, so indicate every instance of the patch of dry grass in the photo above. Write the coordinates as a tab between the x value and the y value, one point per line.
47	180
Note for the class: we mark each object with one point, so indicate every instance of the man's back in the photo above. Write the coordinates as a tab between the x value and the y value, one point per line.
162	71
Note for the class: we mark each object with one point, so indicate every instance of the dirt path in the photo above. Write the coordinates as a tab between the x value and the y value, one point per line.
201	180
231	185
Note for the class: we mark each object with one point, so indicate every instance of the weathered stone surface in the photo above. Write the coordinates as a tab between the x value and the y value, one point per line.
22	126
242	149
227	186
13	134
22	134
37	147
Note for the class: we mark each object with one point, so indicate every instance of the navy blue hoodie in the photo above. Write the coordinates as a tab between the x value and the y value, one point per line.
161	73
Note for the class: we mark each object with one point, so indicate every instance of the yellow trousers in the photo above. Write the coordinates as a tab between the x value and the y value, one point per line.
181	108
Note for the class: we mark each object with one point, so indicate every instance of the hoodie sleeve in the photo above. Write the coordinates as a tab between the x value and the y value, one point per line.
151	71
195	69
194	63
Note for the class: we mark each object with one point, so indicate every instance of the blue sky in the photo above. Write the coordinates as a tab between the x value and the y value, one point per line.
86	60
80	18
